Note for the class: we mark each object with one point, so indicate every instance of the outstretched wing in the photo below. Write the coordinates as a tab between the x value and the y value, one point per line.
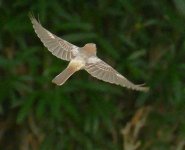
57	46
101	70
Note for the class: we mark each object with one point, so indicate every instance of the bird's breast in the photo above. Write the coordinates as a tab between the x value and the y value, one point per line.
87	52
78	62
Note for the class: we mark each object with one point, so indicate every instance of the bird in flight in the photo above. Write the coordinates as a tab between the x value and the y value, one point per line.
80	58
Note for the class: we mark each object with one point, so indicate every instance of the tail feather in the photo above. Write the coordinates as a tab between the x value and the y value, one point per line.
63	76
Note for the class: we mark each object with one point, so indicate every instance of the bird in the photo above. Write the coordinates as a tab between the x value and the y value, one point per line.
80	58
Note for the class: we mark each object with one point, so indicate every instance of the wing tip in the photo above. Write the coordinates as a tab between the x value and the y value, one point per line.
138	88
32	18
143	89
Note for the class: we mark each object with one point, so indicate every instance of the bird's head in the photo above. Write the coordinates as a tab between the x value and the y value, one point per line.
90	48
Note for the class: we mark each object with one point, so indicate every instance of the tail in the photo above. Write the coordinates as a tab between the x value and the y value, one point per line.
63	76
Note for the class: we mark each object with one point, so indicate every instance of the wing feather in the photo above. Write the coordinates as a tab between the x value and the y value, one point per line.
57	46
101	70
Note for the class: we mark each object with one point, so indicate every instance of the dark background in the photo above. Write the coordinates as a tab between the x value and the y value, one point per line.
144	40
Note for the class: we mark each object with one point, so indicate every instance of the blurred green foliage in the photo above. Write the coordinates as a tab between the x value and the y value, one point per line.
144	40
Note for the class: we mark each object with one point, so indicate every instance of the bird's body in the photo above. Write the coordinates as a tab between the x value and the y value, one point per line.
76	64
80	58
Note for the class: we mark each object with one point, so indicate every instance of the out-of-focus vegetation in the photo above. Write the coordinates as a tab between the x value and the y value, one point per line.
144	40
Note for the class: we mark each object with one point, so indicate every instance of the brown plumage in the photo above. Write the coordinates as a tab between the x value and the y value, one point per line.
80	58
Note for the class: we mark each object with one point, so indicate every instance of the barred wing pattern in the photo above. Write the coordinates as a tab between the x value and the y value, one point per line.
57	46
101	70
